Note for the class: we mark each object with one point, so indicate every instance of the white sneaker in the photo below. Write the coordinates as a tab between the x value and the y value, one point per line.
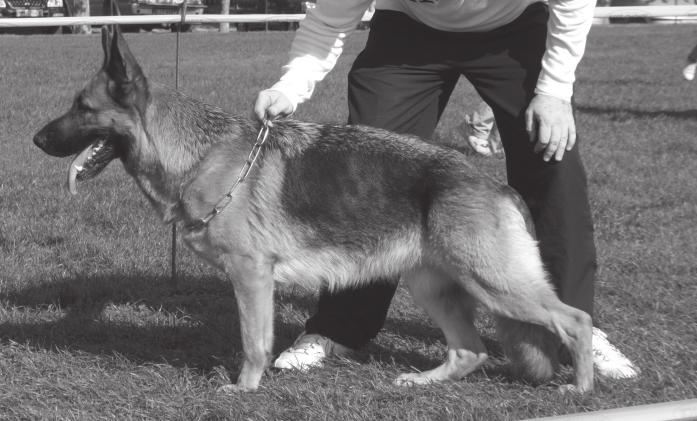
481	146
308	351
609	361
689	71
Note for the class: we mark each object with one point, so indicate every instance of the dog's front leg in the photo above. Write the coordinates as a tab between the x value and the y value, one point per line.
253	286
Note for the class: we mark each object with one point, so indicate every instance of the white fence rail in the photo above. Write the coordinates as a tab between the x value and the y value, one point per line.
600	12
144	19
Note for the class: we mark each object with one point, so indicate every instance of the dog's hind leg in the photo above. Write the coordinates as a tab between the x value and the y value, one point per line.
486	243
253	285
512	283
572	326
452	309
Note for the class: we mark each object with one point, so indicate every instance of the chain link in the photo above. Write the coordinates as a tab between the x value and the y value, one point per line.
227	198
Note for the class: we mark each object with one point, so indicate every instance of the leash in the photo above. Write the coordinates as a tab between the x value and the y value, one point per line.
114	9
246	168
182	10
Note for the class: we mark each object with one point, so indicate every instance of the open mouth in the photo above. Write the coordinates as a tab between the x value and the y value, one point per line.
90	162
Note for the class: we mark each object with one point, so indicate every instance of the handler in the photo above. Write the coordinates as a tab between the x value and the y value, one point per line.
521	57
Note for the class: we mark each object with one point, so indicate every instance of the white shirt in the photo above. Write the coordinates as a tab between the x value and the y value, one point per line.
320	39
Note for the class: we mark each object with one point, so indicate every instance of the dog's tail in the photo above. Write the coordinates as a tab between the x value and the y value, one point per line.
532	349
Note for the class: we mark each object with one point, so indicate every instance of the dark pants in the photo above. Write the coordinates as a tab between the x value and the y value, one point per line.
692	57
402	82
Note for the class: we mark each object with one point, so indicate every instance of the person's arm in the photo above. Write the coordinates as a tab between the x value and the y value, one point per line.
567	30
317	45
549	118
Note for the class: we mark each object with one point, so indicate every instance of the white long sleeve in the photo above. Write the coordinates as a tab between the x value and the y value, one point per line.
320	39
317	45
567	30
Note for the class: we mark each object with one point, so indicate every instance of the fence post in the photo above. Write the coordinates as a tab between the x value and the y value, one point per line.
225	10
80	8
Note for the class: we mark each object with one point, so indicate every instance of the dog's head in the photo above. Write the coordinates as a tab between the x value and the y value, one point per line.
102	121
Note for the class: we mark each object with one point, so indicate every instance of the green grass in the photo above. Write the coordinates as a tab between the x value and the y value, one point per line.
91	326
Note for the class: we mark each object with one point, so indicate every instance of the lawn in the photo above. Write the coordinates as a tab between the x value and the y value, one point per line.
92	326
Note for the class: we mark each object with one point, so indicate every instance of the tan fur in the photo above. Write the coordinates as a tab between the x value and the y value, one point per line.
335	205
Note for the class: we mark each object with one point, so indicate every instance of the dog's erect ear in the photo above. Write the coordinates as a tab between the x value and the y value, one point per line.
109	8
127	84
121	66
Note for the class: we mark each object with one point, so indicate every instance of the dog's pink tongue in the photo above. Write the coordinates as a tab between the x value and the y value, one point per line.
75	167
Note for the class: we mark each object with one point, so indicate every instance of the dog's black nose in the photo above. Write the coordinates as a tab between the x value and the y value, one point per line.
40	140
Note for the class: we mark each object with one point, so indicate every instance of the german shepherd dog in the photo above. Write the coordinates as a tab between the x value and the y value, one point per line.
328	204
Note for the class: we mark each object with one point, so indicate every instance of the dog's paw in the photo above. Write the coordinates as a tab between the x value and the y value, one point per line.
412	379
232	389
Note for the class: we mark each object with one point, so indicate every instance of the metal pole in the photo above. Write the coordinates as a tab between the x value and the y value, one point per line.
176	86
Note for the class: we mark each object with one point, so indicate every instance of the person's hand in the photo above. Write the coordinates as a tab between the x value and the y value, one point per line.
549	122
272	104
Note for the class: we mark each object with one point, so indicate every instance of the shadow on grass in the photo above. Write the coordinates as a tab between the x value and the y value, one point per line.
150	319
624	114
146	319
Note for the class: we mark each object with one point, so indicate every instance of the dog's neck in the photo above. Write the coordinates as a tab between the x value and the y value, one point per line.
176	133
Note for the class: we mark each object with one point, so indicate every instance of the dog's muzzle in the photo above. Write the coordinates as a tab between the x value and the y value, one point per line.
44	139
40	140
